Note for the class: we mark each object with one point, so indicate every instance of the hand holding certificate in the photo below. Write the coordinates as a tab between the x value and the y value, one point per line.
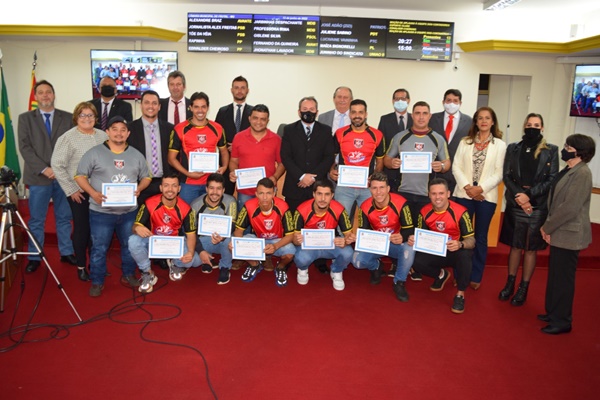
248	248
318	239
119	194
166	247
430	242
372	241
351	176
203	162
415	162
247	178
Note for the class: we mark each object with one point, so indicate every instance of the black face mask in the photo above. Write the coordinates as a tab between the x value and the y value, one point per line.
308	116
566	155
107	91
532	136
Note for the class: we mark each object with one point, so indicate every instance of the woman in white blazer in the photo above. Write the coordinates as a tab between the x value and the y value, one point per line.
477	168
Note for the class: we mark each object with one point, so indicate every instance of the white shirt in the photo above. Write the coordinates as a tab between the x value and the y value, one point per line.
455	121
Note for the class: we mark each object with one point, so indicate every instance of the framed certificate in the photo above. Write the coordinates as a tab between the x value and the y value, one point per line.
372	241
203	162
353	176
318	239
430	242
248	248
119	194
210	223
247	178
166	246
415	162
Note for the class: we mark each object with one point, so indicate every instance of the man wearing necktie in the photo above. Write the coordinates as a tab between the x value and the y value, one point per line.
175	109
38	132
108	105
339	116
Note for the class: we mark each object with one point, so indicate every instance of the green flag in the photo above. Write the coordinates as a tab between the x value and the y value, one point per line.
8	150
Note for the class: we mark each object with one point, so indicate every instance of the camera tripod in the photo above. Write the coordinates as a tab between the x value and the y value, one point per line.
9	211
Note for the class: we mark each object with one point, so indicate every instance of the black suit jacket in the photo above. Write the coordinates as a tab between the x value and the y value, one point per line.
163	113
137	139
225	118
300	156
118	107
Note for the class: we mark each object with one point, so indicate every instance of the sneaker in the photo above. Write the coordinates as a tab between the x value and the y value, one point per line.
251	272
458	307
415	276
400	290
392	271
281	277
439	283
223	276
338	280
376	274
147	282
302	276
130	280
96	290
238	264
269	264
206	268
176	273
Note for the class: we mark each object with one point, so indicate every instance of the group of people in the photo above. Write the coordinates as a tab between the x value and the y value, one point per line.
133	78
68	158
586	96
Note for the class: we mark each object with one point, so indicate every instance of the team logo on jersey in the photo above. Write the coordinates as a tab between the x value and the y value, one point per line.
321	225
440	226
355	157
383	219
419	146
166	218
164	230
201	139
119	178
358	143
119	164
268	224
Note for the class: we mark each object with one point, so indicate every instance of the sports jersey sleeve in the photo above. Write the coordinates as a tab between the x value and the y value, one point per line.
380	149
393	150
466	227
363	219
443	153
298	221
85	166
288	223
421	222
189	222
143	217
174	142
243	220
344	222
407	227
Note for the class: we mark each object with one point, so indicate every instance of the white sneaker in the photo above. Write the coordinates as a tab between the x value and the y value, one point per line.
302	276
338	280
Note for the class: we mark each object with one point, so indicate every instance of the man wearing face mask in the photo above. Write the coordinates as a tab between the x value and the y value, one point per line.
453	126
393	123
108	106
307	152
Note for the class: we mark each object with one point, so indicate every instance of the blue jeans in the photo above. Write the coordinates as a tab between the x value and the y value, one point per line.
402	252
102	228
220	248
348	195
190	193
481	213
39	198
138	247
341	256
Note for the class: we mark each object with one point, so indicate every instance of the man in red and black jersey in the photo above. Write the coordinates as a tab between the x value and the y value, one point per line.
322	212
197	134
164	215
271	220
446	216
390	213
358	145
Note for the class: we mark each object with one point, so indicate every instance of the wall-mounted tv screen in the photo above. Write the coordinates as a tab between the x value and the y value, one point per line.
585	98
133	70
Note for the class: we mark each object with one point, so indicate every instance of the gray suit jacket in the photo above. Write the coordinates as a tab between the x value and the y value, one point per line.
327	118
36	146
568	221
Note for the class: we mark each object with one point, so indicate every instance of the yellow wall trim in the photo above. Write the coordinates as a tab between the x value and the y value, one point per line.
141	32
532	47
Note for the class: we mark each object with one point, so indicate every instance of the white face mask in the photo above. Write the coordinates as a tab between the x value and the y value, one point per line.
400	106
451	108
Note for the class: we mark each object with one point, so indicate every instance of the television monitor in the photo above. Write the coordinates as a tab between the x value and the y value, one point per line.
585	97
134	71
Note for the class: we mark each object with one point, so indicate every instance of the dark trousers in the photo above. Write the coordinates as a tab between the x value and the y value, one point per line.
560	289
415	203
460	260
81	229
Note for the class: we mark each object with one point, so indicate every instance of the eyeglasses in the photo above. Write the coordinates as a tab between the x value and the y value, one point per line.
400	98
84	116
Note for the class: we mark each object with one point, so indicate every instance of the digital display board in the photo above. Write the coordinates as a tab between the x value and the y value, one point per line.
420	40
220	33
352	37
285	34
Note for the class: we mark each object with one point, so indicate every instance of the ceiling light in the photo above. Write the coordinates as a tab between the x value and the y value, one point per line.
494	5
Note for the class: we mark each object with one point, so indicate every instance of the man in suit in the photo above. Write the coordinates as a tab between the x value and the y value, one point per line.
339	116
108	105
233	118
307	152
392	123
150	136
175	109
453	126
38	132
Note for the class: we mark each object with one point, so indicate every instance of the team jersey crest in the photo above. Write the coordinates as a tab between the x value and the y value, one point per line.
321	225
440	226
119	164
268	224
419	146
358	143
166	218
383	219
201	139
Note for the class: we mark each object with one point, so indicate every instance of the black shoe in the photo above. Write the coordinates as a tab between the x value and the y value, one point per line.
438	283
162	263
376	275
32	266
521	296
543	317
70	259
206	268
83	274
392	272
321	266
415	276
400	290
555	330
508	290
458	307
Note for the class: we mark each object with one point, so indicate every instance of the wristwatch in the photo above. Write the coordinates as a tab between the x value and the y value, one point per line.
442	167
462	245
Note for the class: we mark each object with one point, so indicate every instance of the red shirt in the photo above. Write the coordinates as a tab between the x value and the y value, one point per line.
252	153
166	221
336	215
393	218
454	221
272	225
358	148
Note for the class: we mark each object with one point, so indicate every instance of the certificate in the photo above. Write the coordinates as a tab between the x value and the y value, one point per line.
210	223
353	176
119	194
248	248
247	178
372	241
318	239
165	247
430	242
203	161
415	162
